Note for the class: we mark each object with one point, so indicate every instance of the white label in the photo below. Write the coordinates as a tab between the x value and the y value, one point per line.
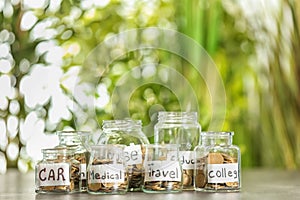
53	174
222	173
172	156
187	159
107	173
162	171
133	154
83	171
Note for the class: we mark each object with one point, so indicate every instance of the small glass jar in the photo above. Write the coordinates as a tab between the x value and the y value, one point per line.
107	172
180	128
72	140
128	132
163	172
58	172
218	163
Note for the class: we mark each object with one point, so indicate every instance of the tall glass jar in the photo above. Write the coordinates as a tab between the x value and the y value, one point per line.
58	172
128	132
218	163
183	129
72	140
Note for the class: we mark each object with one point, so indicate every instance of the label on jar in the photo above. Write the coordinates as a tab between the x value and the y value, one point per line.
133	154
83	171
162	171
107	173
187	159
53	174
222	173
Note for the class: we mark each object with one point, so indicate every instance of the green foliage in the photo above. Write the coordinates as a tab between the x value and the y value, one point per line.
258	61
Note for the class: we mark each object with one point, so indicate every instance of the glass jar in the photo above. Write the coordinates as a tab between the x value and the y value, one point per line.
128	132
163	173
183	129
218	163
58	172
72	140
107	172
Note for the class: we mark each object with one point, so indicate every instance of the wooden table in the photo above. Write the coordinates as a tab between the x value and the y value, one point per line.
256	184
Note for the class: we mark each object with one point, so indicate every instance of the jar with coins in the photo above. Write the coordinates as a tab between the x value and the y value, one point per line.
127	132
58	172
72	140
163	172
107	172
218	163
183	129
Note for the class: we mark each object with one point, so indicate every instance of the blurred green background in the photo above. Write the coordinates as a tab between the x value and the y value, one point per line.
44	45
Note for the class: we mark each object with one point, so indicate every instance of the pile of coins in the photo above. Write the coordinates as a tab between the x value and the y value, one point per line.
136	175
162	185
187	177
201	178
59	172
107	186
81	177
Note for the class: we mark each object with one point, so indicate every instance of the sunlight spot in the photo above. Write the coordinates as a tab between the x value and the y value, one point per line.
22	165
12	151
12	126
28	20
3	137
4	50
5	65
33	4
149	70
3	163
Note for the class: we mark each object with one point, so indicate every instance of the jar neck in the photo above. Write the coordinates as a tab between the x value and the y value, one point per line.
69	138
122	125
216	138
57	154
178	117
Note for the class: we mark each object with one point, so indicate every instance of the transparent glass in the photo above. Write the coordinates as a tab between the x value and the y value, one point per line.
72	140
218	163
163	172
128	132
107	172
58	172
183	129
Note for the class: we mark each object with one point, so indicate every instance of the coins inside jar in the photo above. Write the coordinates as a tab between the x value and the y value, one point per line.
136	175
187	177
201	175
58	172
162	185
106	177
163	171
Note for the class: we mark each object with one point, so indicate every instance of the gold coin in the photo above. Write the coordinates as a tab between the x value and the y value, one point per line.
215	158
108	185
186	179
189	172
94	186
232	184
200	180
47	188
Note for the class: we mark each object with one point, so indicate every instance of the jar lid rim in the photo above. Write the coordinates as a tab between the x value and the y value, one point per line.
74	132
99	146
217	133
163	145
58	150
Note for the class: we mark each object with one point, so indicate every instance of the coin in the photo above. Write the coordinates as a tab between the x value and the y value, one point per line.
94	187
200	180
186	179
215	158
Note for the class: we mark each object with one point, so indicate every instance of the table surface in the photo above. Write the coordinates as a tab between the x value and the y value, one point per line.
256	184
